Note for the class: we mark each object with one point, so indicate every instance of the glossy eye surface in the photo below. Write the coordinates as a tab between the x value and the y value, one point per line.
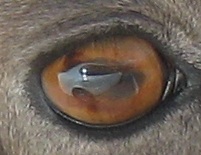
106	82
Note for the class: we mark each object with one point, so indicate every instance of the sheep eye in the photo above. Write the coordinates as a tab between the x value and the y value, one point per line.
107	82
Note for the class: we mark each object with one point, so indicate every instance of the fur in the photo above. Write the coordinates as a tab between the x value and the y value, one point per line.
32	31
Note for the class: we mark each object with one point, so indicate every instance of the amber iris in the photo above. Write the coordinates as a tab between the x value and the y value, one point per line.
124	80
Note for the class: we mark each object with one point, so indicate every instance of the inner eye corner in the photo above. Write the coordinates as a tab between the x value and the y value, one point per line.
82	92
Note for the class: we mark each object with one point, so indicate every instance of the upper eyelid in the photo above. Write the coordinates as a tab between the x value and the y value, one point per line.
77	24
64	34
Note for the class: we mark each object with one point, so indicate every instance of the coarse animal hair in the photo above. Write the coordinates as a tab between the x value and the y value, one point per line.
34	32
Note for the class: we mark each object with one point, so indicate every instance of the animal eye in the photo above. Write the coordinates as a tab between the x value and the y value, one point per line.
106	82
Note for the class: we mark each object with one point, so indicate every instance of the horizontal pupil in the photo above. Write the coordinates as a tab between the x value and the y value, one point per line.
128	85
129	82
92	69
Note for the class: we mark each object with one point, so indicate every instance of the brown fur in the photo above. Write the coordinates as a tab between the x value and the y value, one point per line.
30	28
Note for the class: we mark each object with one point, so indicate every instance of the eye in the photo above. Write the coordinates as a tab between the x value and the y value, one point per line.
108	82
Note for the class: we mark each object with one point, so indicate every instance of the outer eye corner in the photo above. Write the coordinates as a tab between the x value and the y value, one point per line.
106	84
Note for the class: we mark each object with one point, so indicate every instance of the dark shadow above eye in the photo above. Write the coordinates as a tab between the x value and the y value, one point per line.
172	74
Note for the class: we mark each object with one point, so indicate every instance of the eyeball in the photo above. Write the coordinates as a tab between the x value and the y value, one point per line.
106	82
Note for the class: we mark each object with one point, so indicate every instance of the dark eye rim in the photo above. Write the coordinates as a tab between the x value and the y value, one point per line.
58	51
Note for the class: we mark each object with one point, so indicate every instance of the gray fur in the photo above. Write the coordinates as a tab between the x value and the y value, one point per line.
31	27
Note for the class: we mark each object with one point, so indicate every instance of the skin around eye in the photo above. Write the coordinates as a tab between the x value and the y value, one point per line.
106	82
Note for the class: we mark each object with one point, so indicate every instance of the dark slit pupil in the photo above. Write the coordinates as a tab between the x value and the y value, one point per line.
92	69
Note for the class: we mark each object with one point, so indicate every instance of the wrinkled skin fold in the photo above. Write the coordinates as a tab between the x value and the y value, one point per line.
31	32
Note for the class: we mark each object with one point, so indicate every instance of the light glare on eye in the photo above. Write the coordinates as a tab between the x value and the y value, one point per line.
106	82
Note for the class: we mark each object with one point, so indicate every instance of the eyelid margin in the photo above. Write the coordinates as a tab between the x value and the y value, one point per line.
83	34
